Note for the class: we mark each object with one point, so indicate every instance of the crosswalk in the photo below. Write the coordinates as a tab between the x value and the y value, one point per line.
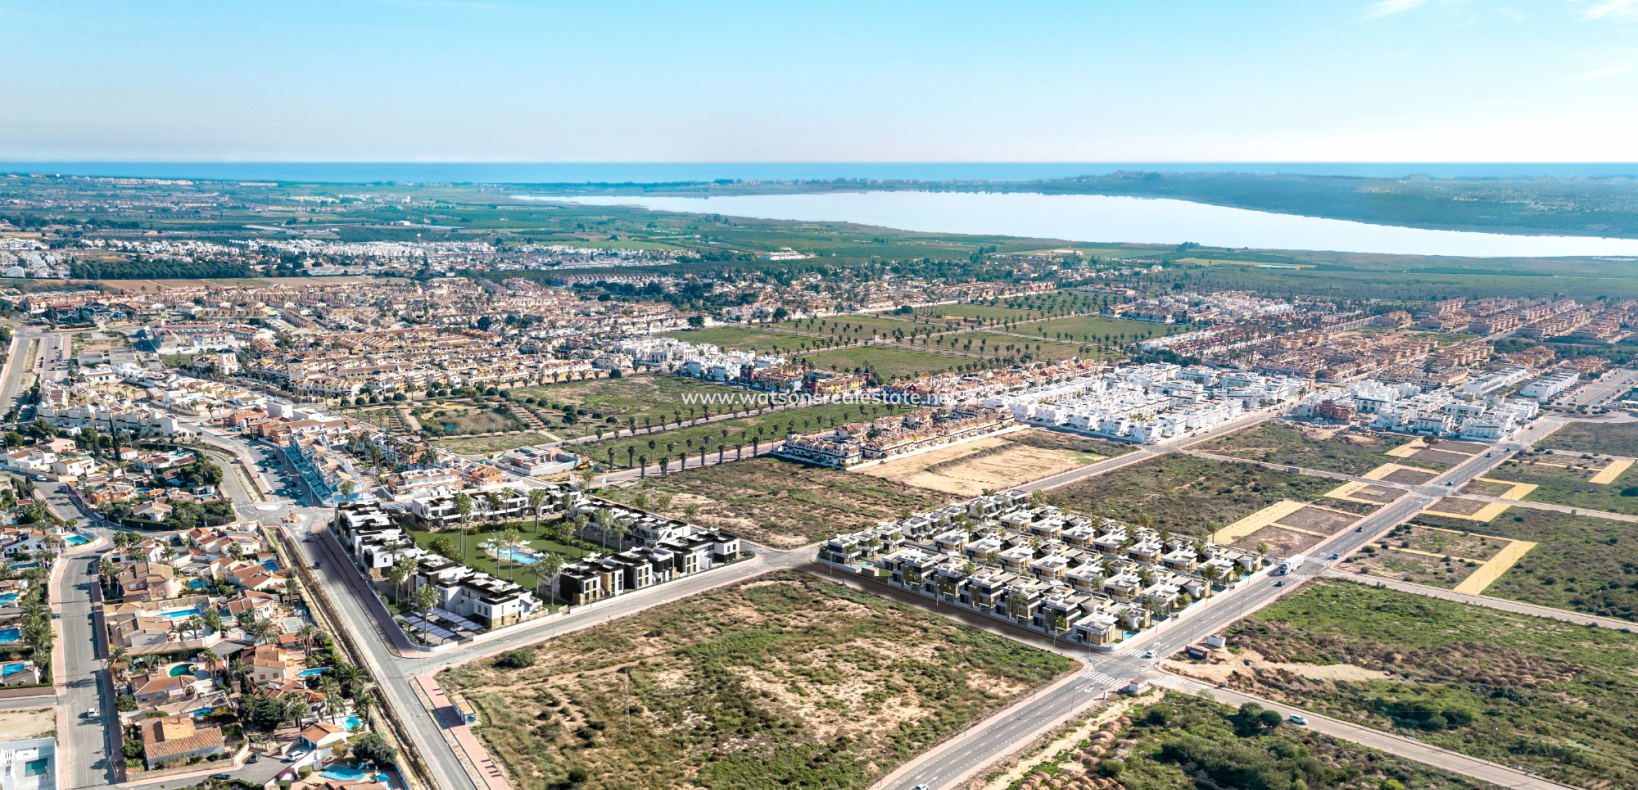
1096	680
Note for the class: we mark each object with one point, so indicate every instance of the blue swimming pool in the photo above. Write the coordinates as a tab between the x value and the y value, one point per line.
345	773
351	723
271	565
11	669
513	555
307	673
10	635
8	599
26	565
78	540
178	613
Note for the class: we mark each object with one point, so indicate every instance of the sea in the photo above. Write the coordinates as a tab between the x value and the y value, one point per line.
671	172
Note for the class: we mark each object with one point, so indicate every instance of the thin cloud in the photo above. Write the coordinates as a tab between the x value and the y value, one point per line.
1511	13
1617	10
1386	7
1612	70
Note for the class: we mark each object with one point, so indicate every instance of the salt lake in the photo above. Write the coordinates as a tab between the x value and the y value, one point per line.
1101	218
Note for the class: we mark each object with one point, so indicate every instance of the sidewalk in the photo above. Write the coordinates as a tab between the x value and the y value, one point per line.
477	758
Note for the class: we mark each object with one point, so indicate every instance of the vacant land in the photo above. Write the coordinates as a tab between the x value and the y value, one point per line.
851	327
887	362
1572	485
1182	493
1309	448
16	725
781	503
1557	698
751	433
737	338
492	444
1185	743
1013	347
1593	437
1438	557
456	418
782	681
648	400
959	312
995	463
1088	328
1579	563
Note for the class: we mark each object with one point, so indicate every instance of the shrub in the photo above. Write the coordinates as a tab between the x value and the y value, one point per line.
1111	767
304	771
515	659
578	775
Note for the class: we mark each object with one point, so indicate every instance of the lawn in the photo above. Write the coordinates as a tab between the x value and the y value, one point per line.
737	338
887	362
646	400
765	428
491	444
780	503
1013	347
1580	563
783	681
1151	746
1556	698
482	532
1089	328
853	327
1569	485
1181	493
1281	443
1594	437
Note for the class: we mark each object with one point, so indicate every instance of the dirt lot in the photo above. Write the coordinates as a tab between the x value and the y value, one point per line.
783	680
1381	495
1182	493
781	503
1409	477
1405	566
996	462
1314	519
16	725
1485	488
1280	542
1458	505
1438	457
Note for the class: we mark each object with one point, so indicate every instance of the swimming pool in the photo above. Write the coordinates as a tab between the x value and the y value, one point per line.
8	599
307	673
181	669
271	565
78	540
10	635
351	723
511	554
178	613
11	669
347	773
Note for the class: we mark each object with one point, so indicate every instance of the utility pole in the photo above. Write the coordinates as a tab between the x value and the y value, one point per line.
625	698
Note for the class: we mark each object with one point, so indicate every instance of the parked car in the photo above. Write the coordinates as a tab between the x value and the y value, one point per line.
221	777
297	755
90	714
1295	719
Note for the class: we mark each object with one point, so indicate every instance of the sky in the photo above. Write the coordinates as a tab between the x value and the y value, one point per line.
791	81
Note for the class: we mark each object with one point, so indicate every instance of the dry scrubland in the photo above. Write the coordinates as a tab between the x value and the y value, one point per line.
996	462
1556	698
780	503
784	681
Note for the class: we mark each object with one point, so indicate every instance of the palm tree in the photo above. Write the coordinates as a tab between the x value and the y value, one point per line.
619	530
510	539
425	598
463	507
537	500
396	576
552	565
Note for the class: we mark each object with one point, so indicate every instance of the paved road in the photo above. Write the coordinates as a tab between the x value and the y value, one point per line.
1376	739
88	737
1487	601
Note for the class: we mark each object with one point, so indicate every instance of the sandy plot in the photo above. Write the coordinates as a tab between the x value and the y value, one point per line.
16	725
1281	542
1438	457
1494	567
1457	506
1318	519
1405	475
1500	489
1466	448
1365	493
1223	664
1257	520
1608	474
1407	450
969	468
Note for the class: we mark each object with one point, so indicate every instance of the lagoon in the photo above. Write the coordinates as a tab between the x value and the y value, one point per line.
1102	218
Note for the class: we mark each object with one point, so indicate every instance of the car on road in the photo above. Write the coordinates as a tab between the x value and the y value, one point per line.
296	755
921	787
1280	583
254	758
1336	555
89	714
1149	654
221	777
1295	719
1359	529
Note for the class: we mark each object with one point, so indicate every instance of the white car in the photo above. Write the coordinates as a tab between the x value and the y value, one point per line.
297	755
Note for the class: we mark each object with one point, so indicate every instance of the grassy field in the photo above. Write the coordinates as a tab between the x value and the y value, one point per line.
1398	555
1281	443
957	312
1086	328
780	503
1556	698
1152	745
851	327
1568	485
1580	563
886	362
782	681
464	418
738	338
650	399
483	533
1014	347
491	444
1182	494
765	428
1591	437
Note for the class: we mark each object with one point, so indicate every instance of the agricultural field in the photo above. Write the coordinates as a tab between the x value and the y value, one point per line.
779	503
955	313
764	429
851	327
786	680
887	362
1561	480
1182	493
991	463
1153	744
1619	438
647	400
1091	328
1310	448
1018	348
739	338
1556	698
1579	563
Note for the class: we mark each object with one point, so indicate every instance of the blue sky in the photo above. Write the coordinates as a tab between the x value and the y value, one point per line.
1094	80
